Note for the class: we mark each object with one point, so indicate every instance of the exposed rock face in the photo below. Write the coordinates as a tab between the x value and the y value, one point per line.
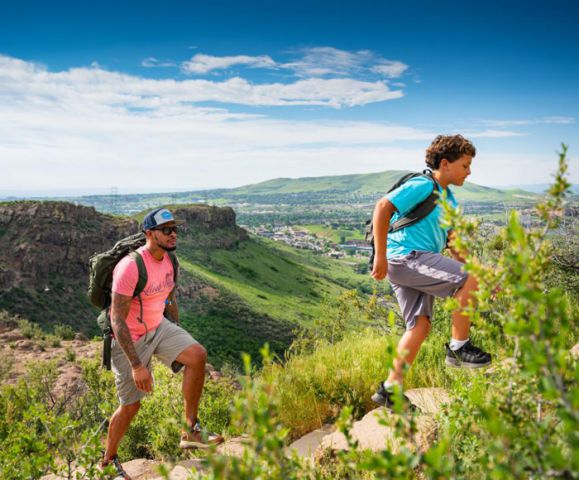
210	227
39	240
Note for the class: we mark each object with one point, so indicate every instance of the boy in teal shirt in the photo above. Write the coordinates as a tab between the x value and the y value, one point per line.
412	260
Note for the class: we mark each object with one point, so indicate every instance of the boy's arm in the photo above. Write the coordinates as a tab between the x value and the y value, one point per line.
381	222
453	252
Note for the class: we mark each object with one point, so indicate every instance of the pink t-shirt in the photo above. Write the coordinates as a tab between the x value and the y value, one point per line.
160	282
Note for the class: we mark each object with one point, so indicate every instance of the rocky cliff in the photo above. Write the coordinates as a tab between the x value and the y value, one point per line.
40	241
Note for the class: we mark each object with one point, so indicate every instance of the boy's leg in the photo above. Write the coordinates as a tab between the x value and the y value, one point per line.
460	322
408	347
433	274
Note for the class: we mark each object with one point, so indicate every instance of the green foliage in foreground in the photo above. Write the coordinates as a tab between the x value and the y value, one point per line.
518	422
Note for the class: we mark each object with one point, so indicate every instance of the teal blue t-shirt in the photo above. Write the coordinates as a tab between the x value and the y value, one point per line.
427	234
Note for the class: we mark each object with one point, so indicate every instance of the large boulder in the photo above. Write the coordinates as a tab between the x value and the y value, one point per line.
306	446
373	433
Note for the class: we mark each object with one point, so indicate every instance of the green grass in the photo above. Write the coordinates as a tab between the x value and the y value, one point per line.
274	279
333	235
265	292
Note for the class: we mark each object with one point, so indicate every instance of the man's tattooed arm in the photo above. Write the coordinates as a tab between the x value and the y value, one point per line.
121	304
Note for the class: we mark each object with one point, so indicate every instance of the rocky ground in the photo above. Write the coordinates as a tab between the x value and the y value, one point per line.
17	353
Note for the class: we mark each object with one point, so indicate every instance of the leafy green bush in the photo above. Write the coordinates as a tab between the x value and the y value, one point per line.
30	330
6	364
521	421
64	332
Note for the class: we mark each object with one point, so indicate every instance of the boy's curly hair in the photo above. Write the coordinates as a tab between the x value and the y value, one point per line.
451	147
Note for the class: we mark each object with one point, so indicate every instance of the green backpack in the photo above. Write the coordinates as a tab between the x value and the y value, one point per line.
101	266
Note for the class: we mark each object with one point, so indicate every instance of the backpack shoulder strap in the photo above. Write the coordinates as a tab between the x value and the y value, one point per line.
141	282
175	263
138	258
421	210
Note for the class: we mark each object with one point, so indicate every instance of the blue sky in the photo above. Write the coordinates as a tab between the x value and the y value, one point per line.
149	96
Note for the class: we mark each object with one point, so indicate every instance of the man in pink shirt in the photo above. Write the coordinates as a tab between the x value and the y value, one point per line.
142	330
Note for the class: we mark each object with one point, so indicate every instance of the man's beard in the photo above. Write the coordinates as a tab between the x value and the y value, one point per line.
170	249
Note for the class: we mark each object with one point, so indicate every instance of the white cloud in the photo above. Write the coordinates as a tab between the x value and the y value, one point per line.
111	89
325	61
152	62
310	62
201	64
89	127
390	69
559	120
556	120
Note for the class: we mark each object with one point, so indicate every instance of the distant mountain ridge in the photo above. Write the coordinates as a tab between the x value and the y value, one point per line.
368	184
366	187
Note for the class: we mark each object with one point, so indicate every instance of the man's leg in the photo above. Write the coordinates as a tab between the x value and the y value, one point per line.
193	358
408	347
118	426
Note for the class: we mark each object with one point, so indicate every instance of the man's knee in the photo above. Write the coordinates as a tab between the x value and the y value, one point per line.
131	408
193	355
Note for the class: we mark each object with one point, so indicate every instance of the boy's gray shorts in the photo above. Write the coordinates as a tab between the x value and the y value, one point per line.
419	277
166	343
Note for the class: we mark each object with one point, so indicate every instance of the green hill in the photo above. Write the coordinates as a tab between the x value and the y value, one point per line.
367	184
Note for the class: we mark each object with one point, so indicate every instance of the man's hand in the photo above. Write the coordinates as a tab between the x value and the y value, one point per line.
143	378
380	269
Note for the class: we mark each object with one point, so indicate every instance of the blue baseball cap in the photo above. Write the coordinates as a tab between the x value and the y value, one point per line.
159	217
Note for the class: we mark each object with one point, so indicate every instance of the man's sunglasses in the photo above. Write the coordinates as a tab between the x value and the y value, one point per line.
167	230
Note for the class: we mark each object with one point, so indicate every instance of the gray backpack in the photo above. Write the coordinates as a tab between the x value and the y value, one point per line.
101	266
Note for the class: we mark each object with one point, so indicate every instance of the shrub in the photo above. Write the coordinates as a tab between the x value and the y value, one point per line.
30	330
64	332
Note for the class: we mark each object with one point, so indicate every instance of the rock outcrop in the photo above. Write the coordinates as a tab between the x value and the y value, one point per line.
43	240
210	227
371	434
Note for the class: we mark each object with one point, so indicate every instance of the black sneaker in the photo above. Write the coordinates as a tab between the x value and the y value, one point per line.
385	398
467	356
118	468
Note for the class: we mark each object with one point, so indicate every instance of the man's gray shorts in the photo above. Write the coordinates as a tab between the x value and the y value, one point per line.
419	277
166	343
